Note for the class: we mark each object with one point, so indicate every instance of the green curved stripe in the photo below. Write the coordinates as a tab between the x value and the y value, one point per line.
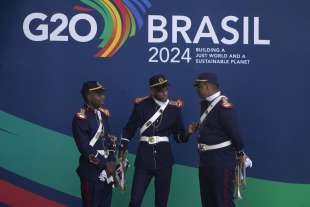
133	26
50	158
109	23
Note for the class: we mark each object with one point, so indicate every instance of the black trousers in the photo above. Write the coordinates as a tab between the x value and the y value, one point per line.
142	178
216	186
96	194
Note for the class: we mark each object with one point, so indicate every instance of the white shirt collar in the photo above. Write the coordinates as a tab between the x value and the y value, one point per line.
214	96
160	103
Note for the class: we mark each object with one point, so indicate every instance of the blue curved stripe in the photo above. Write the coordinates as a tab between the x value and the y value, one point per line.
135	12
141	6
147	3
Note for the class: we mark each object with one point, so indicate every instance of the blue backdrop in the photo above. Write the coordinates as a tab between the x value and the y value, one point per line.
40	80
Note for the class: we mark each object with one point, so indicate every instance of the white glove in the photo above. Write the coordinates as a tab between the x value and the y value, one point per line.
248	162
104	177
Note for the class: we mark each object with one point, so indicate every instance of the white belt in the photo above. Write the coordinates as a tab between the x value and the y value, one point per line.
154	139
204	147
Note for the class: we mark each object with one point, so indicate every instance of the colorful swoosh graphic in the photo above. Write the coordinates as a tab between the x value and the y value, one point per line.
121	19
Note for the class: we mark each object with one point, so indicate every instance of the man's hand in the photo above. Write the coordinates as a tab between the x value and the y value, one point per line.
244	159
93	159
111	166
192	128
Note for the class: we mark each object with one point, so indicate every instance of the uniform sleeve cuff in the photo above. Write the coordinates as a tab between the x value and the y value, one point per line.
124	140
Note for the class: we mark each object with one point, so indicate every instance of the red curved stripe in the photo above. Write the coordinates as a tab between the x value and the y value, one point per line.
18	197
124	14
82	9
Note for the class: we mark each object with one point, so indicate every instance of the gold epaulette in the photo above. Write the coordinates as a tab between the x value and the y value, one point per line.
178	103
105	111
226	104
81	114
140	99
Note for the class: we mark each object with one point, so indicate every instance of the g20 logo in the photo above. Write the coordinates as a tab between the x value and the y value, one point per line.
42	31
122	19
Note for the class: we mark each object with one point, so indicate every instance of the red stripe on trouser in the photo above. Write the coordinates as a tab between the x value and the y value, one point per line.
226	193
87	193
17	197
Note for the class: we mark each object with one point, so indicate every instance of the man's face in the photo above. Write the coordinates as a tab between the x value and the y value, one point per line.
96	99
203	90
160	94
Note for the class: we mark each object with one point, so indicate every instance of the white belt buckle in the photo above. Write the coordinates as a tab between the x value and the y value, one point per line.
202	147
152	140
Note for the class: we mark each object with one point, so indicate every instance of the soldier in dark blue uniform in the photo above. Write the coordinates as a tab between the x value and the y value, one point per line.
91	134
158	118
219	144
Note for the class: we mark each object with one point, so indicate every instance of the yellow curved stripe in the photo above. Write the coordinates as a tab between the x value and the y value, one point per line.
117	26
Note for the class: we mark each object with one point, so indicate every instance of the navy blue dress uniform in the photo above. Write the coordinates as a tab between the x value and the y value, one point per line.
218	144
154	156
85	124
